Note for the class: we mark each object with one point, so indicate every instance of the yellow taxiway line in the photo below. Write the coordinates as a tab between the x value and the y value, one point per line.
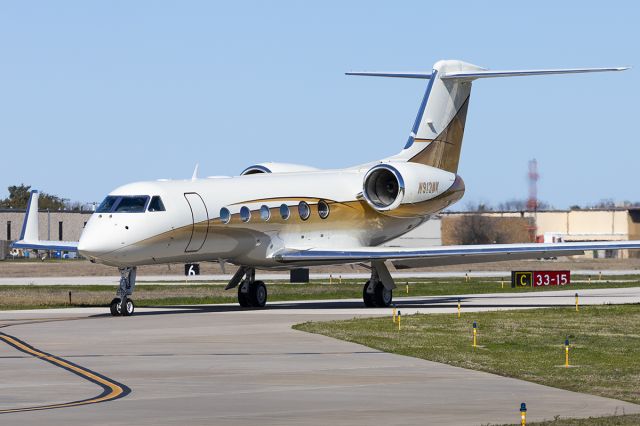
110	389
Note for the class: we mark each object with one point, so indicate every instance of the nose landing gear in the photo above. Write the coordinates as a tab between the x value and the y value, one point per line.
122	305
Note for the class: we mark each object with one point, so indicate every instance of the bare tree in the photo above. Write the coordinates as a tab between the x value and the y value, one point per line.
482	229
477	229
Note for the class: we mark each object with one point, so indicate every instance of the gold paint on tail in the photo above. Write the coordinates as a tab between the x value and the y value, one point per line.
443	152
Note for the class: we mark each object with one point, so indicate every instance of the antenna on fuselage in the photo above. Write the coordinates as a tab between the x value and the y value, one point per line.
195	172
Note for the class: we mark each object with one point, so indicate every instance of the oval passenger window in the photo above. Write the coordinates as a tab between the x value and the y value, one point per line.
284	212
245	214
323	209
304	210
265	213
225	215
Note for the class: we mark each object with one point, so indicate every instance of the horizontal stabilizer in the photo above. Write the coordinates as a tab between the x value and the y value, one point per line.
421	75
473	75
462	75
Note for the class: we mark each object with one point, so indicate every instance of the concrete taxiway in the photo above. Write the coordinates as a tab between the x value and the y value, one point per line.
223	365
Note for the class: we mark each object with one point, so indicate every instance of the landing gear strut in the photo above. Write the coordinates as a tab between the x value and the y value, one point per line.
251	293
378	291
122	303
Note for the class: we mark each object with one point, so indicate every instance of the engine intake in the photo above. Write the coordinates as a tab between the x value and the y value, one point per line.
403	189
383	187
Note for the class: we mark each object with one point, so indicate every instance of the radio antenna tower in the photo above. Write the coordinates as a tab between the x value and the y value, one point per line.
532	202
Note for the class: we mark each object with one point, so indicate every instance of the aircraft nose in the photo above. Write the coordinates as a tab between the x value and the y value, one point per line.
89	247
92	245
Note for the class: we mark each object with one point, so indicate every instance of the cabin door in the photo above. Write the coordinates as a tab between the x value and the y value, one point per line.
200	222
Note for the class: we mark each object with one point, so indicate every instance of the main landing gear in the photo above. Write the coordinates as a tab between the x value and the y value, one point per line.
122	305
251	293
378	290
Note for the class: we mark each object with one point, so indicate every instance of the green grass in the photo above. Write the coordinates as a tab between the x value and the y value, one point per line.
146	294
631	420
526	344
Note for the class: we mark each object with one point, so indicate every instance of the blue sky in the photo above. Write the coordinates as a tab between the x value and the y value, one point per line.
97	94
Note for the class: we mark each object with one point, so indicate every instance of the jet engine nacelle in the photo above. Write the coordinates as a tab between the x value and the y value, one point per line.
388	186
276	168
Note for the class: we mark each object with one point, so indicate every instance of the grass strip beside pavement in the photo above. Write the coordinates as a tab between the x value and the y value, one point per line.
630	420
525	344
146	294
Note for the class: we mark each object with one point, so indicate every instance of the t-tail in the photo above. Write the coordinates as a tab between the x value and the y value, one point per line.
436	136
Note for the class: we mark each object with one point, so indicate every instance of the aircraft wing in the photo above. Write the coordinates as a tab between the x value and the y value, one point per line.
404	258
29	236
46	245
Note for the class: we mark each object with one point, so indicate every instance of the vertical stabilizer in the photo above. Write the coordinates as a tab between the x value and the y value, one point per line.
436	136
30	225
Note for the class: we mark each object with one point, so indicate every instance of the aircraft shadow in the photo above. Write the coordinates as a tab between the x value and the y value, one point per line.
431	303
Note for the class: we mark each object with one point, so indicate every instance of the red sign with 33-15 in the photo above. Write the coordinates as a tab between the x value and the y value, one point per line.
545	278
539	278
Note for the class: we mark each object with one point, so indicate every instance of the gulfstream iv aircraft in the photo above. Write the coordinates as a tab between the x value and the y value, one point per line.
285	216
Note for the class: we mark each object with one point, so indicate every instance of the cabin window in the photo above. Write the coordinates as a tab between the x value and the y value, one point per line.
265	213
323	209
225	215
245	214
156	204
284	212
304	210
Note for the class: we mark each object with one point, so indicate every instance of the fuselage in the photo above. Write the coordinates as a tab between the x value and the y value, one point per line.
248	219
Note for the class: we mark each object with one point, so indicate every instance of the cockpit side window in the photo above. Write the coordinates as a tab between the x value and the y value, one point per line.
156	204
107	204
131	204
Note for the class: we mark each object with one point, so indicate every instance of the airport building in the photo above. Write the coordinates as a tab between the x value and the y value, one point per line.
545	226
618	224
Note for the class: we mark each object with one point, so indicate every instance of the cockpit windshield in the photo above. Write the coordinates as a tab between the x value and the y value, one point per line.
131	204
107	204
123	204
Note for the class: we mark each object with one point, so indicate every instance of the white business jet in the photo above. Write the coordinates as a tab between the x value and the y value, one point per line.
287	216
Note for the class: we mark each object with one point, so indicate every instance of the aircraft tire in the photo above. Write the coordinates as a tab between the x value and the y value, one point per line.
115	307
381	296
258	294
366	297
243	298
128	307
